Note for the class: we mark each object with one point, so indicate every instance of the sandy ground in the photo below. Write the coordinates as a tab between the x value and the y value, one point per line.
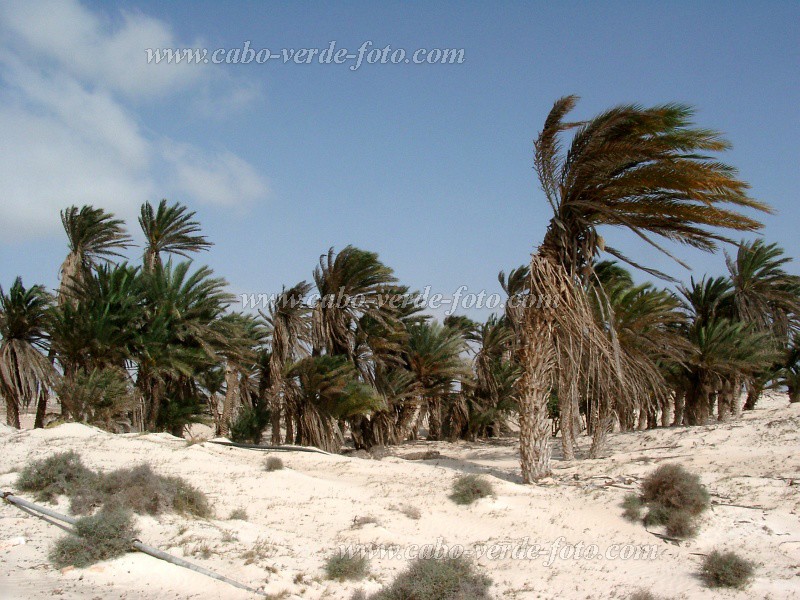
299	516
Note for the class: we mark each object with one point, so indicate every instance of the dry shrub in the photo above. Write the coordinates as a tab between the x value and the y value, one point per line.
469	488
106	535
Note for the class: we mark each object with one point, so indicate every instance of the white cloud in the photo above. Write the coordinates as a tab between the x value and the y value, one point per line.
70	138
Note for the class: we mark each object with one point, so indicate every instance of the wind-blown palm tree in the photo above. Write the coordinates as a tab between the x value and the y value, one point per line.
642	169
93	235
169	229
766	297
290	332
24	368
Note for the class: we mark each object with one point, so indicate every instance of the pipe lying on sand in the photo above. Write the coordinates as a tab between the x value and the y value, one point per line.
31	508
278	448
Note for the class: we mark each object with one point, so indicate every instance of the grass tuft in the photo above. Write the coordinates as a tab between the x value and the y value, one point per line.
238	514
469	488
103	536
674	487
273	463
632	505
727	569
342	567
437	579
62	473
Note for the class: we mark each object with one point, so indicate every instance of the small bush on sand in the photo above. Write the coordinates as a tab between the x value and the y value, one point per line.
62	473
727	569
632	506
106	535
144	492
273	463
238	514
345	566
674	487
437	579
469	488
645	595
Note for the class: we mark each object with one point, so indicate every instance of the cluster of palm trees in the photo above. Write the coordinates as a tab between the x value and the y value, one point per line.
157	346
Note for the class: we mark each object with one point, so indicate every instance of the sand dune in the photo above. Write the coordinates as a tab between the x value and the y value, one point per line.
299	516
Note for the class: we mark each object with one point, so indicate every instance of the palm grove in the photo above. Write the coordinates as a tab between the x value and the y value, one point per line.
157	346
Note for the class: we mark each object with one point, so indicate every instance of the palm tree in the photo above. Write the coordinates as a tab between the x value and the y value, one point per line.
642	169
24	368
434	356
290	330
169	229
93	235
351	284
766	297
790	374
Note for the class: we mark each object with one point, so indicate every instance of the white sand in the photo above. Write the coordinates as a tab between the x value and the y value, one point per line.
302	514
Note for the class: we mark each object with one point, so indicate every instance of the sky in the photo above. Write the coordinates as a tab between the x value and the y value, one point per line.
429	165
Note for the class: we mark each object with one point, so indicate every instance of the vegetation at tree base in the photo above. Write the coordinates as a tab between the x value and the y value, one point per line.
726	569
469	488
349	356
673	497
437	579
102	536
136	489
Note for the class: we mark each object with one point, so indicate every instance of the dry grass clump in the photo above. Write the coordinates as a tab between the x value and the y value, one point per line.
61	473
342	566
673	497
469	488
437	579
726	569
238	514
273	463
106	535
359	522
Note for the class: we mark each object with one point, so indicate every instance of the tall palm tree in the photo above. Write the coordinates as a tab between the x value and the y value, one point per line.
169	229
93	235
290	332
434	355
642	169
24	368
766	297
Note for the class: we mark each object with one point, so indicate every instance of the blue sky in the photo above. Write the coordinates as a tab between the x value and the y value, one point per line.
428	165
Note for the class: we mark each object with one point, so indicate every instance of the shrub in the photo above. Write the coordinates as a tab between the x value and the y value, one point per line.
141	490
657	514
106	535
273	463
437	579
346	566
469	488
62	473
727	569
238	514
633	507
674	487
248	425
681	525
100	397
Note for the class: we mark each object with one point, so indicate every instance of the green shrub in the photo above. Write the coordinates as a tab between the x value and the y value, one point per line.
62	473
273	463
727	569
681	525
657	514
674	487
437	579
633	507
469	488
106	535
248	425
343	566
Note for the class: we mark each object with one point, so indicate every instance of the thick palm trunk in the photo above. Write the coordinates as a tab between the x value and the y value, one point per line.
41	408
698	400
434	419
12	411
754	391
231	400
794	394
725	401
680	405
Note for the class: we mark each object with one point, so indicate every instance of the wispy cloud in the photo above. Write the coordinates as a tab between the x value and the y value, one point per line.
71	82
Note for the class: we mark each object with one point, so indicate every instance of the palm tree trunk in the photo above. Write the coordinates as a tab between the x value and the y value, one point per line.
754	391
231	400
794	394
434	419
680	404
12	411
41	408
